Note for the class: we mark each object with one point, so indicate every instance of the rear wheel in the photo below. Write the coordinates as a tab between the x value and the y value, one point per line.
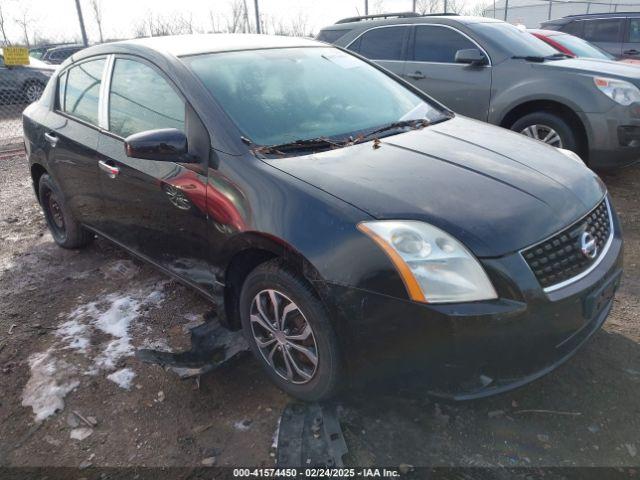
64	228
548	128
289	332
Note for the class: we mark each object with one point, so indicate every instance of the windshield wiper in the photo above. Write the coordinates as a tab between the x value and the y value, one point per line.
298	145
413	124
540	59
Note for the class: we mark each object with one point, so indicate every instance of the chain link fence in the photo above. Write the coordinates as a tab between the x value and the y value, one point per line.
19	86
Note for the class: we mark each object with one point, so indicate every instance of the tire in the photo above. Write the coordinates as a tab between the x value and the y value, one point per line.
565	132
64	228
33	91
320	381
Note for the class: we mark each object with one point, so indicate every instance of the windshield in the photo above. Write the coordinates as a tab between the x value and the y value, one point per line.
278	96
516	42
581	48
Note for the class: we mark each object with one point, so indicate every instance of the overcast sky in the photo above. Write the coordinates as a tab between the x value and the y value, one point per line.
57	19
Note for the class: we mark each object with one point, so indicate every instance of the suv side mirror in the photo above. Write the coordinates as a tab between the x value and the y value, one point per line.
164	145
470	56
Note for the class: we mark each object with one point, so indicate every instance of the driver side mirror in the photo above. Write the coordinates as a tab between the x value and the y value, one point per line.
471	56
164	145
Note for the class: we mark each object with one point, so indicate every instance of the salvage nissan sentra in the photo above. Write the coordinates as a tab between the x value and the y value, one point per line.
349	224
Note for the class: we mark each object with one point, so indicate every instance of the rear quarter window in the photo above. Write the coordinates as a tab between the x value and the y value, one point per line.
576	27
604	30
330	36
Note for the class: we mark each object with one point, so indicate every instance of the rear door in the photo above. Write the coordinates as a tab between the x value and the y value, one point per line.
465	89
631	45
605	33
157	209
72	133
386	45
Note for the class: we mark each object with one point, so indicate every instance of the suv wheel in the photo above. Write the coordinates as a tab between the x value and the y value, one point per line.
66	231
289	332
548	128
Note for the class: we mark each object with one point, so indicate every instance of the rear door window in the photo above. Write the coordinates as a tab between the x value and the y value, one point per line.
603	30
575	27
383	43
82	94
141	99
438	44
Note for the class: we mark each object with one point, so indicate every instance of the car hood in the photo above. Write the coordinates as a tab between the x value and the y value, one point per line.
597	67
494	190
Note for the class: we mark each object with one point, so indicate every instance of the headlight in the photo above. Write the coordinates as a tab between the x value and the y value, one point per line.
619	91
572	155
434	266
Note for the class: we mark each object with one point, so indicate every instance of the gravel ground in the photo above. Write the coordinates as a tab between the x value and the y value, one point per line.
70	321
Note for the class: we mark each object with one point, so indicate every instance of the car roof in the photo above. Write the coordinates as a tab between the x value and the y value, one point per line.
585	16
365	24
546	33
181	45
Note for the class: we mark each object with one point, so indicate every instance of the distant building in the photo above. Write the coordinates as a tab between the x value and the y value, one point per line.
532	12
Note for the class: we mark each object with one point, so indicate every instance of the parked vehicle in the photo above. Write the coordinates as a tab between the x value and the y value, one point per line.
23	82
617	33
39	51
57	55
495	72
352	226
576	47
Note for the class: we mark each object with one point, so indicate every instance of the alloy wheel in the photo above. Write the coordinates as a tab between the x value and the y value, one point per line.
33	92
284	336
543	133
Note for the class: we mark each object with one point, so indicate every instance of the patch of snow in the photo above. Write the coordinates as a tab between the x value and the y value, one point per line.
122	378
49	383
80	433
242	425
75	334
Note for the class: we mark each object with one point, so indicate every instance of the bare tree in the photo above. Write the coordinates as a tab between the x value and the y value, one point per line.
5	40
96	7
156	25
477	9
236	21
428	6
25	21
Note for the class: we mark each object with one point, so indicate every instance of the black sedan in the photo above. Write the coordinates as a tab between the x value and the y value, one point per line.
352	226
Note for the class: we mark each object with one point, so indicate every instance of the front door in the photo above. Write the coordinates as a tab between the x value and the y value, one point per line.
631	45
155	208
465	89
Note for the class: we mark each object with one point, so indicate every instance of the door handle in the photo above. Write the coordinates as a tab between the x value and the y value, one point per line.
51	138
416	75
633	51
110	170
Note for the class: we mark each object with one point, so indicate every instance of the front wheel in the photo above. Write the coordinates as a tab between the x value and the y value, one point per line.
548	128
289	332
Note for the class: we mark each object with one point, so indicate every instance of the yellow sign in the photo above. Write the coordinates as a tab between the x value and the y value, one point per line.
16	55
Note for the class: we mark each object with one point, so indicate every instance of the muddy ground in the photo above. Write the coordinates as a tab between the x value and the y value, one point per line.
71	320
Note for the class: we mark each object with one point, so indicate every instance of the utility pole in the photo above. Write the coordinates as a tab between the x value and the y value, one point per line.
550	6
414	6
81	20
506	9
255	2
366	7
445	6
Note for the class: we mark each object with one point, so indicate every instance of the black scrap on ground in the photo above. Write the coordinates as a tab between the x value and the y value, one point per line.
211	346
309	435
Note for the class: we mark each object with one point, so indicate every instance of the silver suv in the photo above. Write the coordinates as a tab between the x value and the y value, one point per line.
490	70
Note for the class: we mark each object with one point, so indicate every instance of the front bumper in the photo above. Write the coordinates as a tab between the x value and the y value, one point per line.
614	136
472	350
